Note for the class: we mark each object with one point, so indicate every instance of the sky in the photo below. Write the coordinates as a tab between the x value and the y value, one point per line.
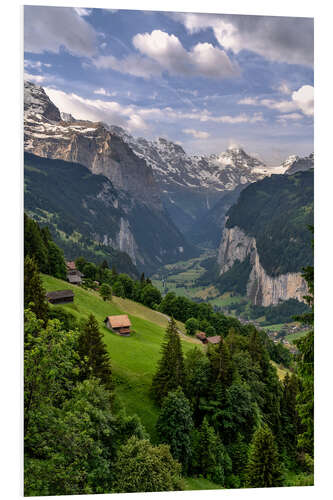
205	81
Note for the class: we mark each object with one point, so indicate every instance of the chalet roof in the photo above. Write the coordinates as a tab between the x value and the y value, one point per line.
214	340
200	335
120	321
71	265
60	294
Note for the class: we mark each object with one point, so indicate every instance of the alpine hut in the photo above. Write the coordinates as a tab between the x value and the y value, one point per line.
120	324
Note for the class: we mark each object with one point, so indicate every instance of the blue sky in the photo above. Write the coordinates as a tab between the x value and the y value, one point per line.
205	81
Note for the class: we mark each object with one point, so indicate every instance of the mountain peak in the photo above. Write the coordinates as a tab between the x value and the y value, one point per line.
38	104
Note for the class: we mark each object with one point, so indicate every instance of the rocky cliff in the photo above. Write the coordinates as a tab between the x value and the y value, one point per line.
262	289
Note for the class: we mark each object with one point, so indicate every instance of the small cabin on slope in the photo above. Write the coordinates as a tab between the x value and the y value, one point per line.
214	340
120	324
60	296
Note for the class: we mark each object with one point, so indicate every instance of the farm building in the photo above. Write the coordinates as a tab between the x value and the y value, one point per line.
74	276
214	340
201	336
60	296
119	324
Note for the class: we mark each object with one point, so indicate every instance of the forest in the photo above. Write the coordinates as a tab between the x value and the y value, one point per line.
223	413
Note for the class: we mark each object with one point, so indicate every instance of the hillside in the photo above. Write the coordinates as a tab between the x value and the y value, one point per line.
84	209
276	212
133	358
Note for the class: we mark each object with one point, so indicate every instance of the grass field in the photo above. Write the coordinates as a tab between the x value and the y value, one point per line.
200	483
134	359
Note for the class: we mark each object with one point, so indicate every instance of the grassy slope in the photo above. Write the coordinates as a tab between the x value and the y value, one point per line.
134	358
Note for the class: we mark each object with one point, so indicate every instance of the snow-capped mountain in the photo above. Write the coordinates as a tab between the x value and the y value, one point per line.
296	164
173	166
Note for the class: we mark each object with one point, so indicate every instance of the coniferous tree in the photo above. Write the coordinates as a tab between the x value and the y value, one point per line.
170	371
34	293
175	424
305	399
93	353
263	467
289	416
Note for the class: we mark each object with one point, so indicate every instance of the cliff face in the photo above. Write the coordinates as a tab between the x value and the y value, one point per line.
261	288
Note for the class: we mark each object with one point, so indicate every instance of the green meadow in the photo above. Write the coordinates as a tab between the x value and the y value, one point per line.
134	359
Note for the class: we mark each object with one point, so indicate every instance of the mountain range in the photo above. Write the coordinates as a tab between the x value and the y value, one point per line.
148	198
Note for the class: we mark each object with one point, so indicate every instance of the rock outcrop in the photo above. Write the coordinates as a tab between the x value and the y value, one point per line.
262	289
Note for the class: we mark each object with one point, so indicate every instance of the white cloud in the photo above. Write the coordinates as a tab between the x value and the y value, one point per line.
290	116
301	100
38	65
304	99
159	52
50	28
202	60
34	78
280	39
95	110
82	12
197	134
102	91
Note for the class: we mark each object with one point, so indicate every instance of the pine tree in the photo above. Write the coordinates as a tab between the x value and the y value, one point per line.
305	399
175	424
289	415
34	293
170	371
93	353
263	467
221	365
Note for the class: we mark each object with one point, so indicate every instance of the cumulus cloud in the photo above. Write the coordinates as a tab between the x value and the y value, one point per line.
283	39
203	59
37	65
197	134
110	112
50	28
301	100
304	99
158	52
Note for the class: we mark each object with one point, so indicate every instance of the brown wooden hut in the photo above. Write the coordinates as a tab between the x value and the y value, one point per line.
120	324
60	296
201	336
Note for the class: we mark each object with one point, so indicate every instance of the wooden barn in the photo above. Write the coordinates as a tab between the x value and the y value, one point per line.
214	340
120	324
60	296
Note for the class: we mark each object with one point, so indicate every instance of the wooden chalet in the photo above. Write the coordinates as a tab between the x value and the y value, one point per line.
214	340
60	296
201	336
74	276
120	324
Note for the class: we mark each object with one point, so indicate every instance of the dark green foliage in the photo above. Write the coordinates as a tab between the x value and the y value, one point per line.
67	319
143	467
90	271
38	244
197	376
289	416
174	426
105	291
34	293
170	371
192	326
93	353
210	458
276	211
279	313
118	289
305	399
235	280
263	467
150	296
